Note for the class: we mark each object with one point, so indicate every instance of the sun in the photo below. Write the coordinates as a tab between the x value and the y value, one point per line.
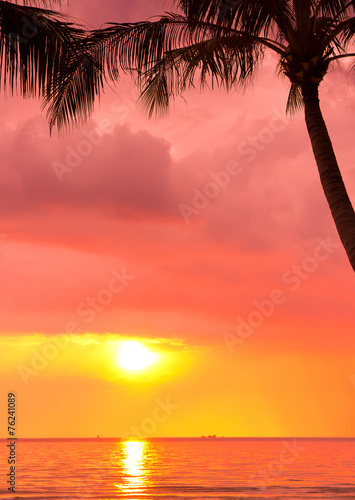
134	356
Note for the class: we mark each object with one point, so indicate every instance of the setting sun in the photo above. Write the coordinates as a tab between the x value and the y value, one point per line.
134	356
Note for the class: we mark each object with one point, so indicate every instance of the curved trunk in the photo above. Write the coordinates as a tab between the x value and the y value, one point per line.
330	176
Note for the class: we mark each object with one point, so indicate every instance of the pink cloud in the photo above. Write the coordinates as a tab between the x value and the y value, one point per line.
119	172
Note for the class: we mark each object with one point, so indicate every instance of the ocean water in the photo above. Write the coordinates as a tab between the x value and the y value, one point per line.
181	469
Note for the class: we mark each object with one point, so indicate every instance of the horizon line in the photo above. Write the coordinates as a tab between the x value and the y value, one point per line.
147	438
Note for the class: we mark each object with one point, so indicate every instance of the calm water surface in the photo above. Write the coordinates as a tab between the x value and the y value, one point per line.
240	469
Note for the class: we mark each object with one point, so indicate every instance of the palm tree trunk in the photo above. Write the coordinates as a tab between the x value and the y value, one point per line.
330	176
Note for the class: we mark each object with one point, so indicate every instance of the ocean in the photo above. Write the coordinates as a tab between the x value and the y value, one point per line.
181	469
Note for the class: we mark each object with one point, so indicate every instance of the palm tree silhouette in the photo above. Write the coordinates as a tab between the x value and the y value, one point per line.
222	42
39	50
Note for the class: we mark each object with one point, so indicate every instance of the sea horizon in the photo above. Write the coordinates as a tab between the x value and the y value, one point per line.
151	438
182	468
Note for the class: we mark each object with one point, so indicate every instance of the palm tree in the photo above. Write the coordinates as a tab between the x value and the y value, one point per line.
222	42
39	50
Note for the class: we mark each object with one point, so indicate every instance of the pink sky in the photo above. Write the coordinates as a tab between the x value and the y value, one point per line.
65	228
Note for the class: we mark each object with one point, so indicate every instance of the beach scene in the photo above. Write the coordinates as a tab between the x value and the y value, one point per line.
177	250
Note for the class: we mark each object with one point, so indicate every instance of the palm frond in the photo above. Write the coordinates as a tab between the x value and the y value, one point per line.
331	18
34	44
335	9
229	62
136	46
255	17
42	2
213	42
43	54
346	32
167	55
72	95
295	102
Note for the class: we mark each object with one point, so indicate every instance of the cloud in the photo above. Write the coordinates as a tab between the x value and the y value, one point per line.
119	172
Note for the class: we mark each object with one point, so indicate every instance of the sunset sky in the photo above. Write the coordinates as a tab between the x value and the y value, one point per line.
204	235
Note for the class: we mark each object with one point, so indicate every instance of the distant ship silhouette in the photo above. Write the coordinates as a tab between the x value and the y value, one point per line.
214	435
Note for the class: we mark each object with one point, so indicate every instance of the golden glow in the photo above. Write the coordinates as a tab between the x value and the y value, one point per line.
134	356
33	365
133	464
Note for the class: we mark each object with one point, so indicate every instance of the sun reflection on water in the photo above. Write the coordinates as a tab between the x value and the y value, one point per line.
133	458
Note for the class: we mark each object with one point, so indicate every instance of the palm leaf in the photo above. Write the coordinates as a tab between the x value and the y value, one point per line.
34	47
226	62
255	17
167	55
295	102
42	2
43	53
334	8
72	96
212	42
346	35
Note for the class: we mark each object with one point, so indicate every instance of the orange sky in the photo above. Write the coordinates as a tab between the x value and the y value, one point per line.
205	235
